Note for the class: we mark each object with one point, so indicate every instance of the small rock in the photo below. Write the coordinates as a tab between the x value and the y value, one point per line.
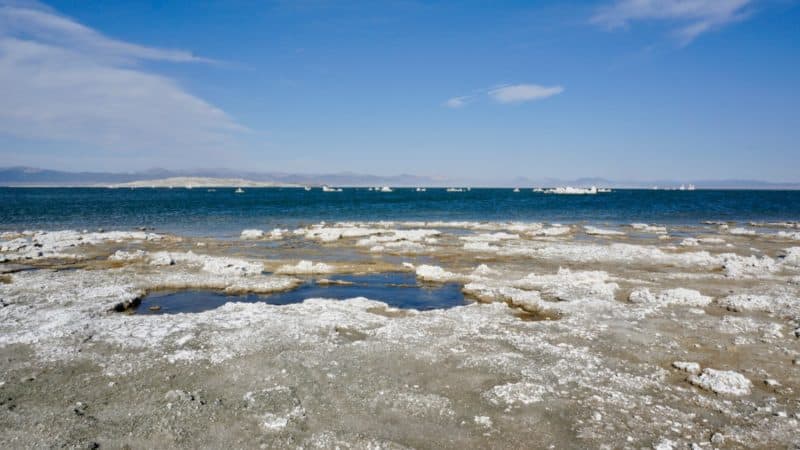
161	259
771	382
484	421
717	439
691	367
79	409
664	444
252	234
722	382
177	394
641	295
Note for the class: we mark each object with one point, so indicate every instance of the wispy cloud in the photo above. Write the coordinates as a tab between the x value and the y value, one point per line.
458	102
514	93
692	17
60	80
518	93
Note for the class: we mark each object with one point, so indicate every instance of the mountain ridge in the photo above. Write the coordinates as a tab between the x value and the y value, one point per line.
20	176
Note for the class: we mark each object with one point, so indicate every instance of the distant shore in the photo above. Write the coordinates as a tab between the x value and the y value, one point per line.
174	182
190	182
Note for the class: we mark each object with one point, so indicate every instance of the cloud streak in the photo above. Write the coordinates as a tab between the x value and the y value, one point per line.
506	94
62	81
519	93
458	102
692	17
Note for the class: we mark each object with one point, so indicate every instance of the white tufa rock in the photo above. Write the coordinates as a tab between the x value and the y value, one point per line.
277	233
736	266
677	296
484	421
213	264
691	367
664	444
512	394
646	228
792	256
595	231
252	234
748	302
641	295
161	259
304	268
568	285
437	274
682	296
122	255
722	382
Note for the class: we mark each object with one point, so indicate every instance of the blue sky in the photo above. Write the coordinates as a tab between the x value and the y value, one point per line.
623	89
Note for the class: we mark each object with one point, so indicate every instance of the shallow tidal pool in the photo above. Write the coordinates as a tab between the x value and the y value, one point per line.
397	289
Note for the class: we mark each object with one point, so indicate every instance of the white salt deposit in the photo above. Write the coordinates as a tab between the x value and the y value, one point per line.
122	255
646	228
530	301
252	234
437	274
691	367
277	233
738	231
515	394
569	286
793	235
212	264
305	268
722	382
595	231
600	363
677	296
792	256
62	244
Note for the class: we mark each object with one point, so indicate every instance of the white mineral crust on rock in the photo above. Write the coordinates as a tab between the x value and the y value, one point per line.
305	267
722	382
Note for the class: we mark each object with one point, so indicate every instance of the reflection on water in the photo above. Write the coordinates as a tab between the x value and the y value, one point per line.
397	289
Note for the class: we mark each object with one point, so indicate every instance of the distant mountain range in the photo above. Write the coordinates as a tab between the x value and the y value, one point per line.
29	176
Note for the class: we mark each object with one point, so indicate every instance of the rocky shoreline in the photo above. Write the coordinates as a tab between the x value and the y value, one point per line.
577	336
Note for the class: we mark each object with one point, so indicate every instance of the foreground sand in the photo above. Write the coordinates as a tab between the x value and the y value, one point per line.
577	336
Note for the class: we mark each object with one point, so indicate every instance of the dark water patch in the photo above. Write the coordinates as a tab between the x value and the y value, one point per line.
15	268
397	289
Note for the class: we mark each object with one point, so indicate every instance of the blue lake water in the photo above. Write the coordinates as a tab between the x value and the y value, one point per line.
397	289
223	213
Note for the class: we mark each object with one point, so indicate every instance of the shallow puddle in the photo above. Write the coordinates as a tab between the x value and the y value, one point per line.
397	289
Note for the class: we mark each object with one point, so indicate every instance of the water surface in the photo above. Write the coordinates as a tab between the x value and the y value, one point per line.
224	214
397	289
